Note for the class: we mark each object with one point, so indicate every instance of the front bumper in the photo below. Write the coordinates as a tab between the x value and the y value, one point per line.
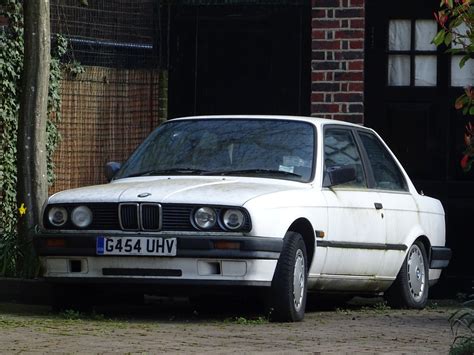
199	260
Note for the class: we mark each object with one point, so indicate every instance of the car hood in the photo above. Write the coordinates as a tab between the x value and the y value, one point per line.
202	190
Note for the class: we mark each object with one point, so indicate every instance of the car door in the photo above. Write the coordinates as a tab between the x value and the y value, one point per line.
356	228
398	204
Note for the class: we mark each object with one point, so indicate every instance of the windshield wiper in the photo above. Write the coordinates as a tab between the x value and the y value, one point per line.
179	171
252	172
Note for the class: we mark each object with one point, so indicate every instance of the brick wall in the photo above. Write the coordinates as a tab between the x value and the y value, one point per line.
337	89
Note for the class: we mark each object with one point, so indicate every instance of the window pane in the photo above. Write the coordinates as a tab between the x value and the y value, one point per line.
425	30
340	150
399	70
425	70
399	38
459	32
461	77
387	175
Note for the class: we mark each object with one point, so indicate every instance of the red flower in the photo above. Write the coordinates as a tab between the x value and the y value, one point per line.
441	17
464	161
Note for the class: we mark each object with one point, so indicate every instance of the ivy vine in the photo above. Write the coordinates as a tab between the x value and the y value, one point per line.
11	67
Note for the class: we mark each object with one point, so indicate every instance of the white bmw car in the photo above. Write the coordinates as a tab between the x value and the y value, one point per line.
284	205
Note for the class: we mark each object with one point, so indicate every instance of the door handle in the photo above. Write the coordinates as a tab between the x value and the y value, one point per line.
378	205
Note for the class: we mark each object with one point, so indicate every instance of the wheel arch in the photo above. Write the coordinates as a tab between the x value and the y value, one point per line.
305	228
426	243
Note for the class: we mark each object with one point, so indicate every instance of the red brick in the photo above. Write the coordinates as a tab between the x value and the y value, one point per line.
349	55
356	108
325	108
356	44
349	76
356	87
326	44
317	97
349	34
325	87
318	34
325	3
320	13
317	76
316	23
357	3
348	97
318	55
329	76
357	23
350	13
356	65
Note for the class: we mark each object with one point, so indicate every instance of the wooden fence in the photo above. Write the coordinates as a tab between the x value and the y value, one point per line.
106	113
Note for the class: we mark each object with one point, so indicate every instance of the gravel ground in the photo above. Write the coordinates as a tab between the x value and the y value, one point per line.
174	326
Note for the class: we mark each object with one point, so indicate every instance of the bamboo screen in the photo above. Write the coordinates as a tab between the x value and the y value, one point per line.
106	113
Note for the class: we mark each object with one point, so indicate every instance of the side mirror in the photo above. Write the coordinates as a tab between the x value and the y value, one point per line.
111	169
338	175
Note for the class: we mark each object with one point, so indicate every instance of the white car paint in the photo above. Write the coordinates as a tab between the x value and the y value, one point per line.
342	214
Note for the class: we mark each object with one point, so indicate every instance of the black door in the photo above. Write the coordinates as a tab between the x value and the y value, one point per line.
248	59
410	91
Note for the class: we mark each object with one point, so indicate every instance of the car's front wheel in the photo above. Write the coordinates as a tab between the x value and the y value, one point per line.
287	298
410	289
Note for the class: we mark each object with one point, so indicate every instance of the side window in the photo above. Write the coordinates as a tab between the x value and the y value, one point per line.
340	149
387	174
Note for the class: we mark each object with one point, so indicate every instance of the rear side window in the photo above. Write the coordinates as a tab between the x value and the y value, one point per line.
340	150
387	174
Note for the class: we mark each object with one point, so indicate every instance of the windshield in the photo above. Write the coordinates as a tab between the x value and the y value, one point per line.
239	147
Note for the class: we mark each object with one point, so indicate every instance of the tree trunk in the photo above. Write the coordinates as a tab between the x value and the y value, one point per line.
32	182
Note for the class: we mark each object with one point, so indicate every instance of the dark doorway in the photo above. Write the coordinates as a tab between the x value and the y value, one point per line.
410	90
247	59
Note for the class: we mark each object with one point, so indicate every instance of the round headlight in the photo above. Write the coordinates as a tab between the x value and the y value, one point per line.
233	219
57	216
205	218
81	216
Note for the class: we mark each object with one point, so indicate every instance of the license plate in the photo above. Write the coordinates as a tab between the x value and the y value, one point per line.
147	246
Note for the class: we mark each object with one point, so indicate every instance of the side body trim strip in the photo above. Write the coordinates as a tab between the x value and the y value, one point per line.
351	245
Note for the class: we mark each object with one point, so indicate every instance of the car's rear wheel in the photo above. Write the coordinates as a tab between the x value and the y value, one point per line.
410	289
287	298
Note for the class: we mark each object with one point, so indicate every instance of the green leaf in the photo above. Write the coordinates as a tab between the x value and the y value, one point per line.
448	38
464	60
439	38
471	111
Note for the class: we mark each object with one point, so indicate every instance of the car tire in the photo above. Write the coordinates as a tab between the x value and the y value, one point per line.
287	295
410	289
